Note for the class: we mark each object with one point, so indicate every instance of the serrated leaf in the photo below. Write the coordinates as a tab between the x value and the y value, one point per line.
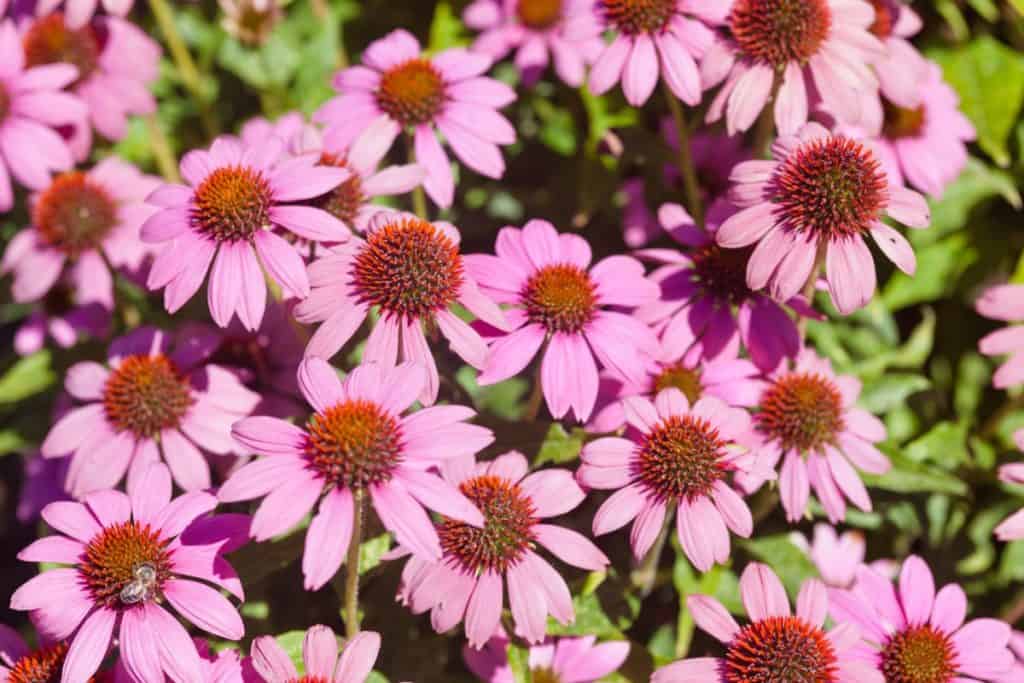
27	377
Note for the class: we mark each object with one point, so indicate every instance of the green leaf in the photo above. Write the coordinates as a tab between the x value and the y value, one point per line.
976	183
939	267
945	444
27	377
371	551
376	677
560	447
10	442
446	29
972	378
890	391
907	476
291	643
519	662
590	620
558	129
503	399
989	77
789	562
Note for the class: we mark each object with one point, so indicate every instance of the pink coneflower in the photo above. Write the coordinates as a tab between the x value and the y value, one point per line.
117	63
536	30
1016	672
65	315
913	633
81	222
680	457
822	195
705	305
224	666
1005	302
398	84
467	582
128	557
236	195
808	419
558	300
32	105
557	660
1012	528
733	380
836	556
652	38
356	443
20	663
900	68
927	144
289	127
815	46
320	657
146	403
79	12
776	645
411	271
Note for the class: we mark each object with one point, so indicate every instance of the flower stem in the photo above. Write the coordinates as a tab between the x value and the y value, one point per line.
187	70
162	152
646	574
766	124
812	281
351	607
691	186
419	198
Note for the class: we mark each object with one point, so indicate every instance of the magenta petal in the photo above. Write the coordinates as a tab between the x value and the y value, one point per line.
712	617
138	647
328	538
205	607
177	652
356	662
89	646
483	614
571	547
762	593
272	662
406	518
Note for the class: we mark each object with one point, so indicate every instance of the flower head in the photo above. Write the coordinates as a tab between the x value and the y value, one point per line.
836	556
32	106
803	46
776	645
412	272
19	663
558	300
111	55
537	31
356	444
78	13
807	418
320	657
581	660
651	38
900	68
408	91
81	222
913	633
147	402
706	308
128	556
236	196
467	582
679	456
823	194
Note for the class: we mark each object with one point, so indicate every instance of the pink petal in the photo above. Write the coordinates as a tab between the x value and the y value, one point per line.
762	593
205	607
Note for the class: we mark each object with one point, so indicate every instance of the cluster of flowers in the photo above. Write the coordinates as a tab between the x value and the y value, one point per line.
694	376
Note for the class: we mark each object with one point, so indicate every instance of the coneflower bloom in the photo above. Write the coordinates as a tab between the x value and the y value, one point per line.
467	583
680	457
65	315
78	13
652	38
776	645
236	195
535	29
808	419
914	633
147	403
289	127
81	222
127	558
20	663
1016	672
900	68
735	381
558	300
823	194
836	556
814	46
117	63
411	271
556	660
356	444
1005	302
705	304
415	93
320	657
1012	528
32	106
925	145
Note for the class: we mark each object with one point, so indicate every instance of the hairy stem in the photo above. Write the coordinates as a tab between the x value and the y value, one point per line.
646	574
187	69
812	281
766	124
162	152
691	186
419	198
351	607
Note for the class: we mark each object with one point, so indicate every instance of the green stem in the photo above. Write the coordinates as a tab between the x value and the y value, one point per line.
351	607
691	186
645	575
162	152
187	70
419	197
766	124
812	281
